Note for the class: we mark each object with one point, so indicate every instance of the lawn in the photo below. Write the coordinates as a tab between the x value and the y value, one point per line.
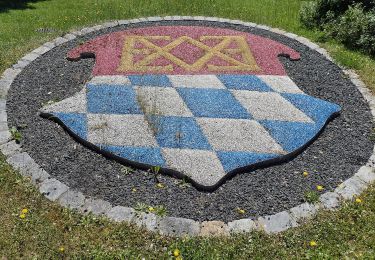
49	231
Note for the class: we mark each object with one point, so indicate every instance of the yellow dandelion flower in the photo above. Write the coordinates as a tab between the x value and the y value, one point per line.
160	185
358	200
176	252
134	190
151	209
22	216
179	258
319	188
313	243
61	249
305	174
241	211
24	211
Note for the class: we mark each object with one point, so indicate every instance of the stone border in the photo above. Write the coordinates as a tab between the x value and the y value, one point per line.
55	190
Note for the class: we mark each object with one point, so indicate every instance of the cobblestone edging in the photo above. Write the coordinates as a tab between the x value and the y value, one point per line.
54	190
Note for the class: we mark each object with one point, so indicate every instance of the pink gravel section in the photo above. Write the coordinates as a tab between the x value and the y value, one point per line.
108	50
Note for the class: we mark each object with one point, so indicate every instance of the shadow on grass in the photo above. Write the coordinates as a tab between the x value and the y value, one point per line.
6	5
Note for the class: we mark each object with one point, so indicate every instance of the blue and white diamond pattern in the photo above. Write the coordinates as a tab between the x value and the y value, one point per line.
203	126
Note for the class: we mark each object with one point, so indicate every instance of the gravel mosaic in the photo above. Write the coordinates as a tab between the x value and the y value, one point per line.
341	149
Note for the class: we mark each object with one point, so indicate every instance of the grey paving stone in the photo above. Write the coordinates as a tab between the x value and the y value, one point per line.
96	206
42	49
3	126
303	211
167	18
134	21
21	162
60	40
85	31
30	56
330	200
199	18
96	28
5	136
277	30
120	213
122	22
154	19
70	36
110	24
211	19
172	226
4	86
241	226
264	27
72	199
213	228
291	35
52	189
10	148
146	220
236	22
21	64
142	19
3	116
250	24
39	175
276	223
366	174
10	74
351	188
50	45
308	43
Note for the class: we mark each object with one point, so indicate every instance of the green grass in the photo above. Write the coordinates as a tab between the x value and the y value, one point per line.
346	233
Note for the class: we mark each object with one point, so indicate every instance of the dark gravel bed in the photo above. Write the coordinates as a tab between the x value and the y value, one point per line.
336	155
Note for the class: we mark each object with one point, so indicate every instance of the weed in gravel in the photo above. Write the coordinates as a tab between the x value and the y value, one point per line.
311	196
16	135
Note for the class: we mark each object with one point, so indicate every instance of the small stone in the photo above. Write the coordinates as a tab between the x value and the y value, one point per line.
120	213
366	174
241	226
277	223
330	200
303	211
172	226
72	199
351	188
213	228
10	148
52	189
